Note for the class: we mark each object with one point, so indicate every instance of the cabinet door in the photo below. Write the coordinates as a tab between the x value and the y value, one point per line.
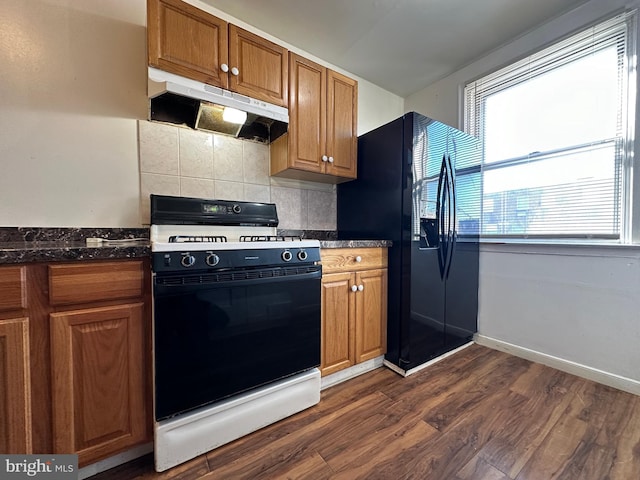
371	314
263	70
342	134
98	380
15	398
187	41
307	114
338	309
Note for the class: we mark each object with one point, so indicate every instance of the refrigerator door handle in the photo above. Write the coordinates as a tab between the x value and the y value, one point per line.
451	231
440	209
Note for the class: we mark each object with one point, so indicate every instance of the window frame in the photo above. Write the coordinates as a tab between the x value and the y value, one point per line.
512	74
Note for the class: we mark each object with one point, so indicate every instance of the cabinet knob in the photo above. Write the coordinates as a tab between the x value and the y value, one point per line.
330	159
324	158
360	288
235	71
354	288
224	67
358	259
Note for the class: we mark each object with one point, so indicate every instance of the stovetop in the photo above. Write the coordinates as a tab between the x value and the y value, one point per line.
169	238
205	234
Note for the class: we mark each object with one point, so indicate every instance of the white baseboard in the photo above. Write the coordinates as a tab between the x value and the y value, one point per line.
584	371
351	372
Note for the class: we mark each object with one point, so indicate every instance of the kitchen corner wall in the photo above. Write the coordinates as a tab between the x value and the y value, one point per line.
189	163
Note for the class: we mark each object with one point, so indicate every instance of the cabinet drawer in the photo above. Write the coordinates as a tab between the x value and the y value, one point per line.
352	259
13	288
91	282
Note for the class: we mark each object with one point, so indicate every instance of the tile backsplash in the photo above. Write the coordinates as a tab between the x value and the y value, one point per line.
189	163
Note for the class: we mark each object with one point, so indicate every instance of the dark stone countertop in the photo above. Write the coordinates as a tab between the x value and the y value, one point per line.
329	239
61	251
36	244
355	243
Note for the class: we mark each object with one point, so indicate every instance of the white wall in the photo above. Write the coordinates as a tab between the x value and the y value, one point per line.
72	85
574	307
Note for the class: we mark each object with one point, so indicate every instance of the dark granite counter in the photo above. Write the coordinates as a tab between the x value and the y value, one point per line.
329	239
354	243
27	244
27	252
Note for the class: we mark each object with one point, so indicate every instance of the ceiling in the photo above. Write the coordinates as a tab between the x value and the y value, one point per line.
399	45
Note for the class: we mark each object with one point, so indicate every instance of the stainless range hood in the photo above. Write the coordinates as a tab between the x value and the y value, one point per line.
182	101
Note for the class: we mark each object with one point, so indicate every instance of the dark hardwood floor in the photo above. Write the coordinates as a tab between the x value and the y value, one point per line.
479	414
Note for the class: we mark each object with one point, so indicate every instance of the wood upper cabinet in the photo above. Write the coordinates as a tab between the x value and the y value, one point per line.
187	41
98	383
321	144
354	307
342	125
262	67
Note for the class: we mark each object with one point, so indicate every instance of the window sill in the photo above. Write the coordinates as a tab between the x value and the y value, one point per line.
537	247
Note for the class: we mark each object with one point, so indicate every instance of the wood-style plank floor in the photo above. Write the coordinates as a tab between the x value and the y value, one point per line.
479	414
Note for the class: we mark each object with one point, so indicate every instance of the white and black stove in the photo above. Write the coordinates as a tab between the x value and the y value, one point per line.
236	323
195	233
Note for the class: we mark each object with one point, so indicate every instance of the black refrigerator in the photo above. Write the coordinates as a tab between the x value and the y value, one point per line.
419	185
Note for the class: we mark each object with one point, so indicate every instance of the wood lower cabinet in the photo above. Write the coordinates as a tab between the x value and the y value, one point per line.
15	387
15	396
354	307
338	325
321	144
98	381
100	343
371	314
75	358
190	42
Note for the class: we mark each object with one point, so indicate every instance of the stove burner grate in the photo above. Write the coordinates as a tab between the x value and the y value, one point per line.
197	238
270	238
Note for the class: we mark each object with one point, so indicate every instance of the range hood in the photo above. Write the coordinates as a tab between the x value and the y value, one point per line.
182	101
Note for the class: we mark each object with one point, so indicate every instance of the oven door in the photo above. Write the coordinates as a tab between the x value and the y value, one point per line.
219	334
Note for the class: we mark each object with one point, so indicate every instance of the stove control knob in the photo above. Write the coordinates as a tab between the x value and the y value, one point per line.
287	255
302	255
212	259
236	208
187	260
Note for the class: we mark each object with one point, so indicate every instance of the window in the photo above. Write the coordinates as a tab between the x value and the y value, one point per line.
554	129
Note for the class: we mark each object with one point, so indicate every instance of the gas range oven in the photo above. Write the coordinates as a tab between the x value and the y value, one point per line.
236	323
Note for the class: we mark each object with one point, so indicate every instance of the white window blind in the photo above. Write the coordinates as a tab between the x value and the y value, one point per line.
554	132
